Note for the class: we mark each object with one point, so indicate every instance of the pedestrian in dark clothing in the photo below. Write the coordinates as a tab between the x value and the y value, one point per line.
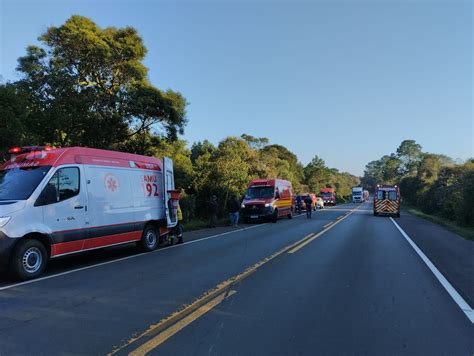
234	210
309	206
299	202
213	211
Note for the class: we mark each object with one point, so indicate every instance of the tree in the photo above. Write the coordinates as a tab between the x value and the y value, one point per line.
255	142
88	86
13	113
410	153
316	174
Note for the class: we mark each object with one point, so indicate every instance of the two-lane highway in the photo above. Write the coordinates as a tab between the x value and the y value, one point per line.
343	282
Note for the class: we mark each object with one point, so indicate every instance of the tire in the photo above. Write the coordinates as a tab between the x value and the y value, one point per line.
398	215
375	213
150	239
275	216
29	259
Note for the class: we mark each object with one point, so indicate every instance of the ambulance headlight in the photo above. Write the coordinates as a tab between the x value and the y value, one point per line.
267	205
243	206
4	220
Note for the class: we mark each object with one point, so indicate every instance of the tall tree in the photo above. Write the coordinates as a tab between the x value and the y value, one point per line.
410	154
88	86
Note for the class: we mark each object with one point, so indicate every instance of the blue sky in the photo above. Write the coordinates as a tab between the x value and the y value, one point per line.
345	80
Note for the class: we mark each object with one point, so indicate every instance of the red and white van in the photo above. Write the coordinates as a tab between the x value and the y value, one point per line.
55	202
268	199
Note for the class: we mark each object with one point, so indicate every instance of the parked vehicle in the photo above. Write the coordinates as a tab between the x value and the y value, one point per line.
387	200
328	195
319	203
56	202
268	199
357	195
313	199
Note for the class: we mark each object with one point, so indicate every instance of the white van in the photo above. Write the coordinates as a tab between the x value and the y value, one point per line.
55	202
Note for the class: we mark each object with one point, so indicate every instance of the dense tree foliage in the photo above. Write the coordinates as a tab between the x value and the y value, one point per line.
432	182
87	86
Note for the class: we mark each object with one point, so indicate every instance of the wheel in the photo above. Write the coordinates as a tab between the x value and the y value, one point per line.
149	241
375	213
275	216
398	215
29	259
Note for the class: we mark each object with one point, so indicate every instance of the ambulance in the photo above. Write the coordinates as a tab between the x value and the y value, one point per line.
57	202
387	200
268	199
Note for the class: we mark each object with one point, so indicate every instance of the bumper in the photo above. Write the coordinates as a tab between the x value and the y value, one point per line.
6	248
258	214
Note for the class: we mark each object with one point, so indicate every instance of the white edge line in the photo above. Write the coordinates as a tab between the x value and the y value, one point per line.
468	311
123	258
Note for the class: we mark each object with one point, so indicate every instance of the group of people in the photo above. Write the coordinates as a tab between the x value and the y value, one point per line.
233	207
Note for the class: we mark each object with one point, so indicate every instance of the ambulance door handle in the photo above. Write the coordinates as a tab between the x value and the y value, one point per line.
78	207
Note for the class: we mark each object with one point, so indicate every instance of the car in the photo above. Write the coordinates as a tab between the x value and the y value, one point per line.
319	203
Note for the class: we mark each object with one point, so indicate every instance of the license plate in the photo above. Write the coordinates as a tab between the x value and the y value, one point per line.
254	216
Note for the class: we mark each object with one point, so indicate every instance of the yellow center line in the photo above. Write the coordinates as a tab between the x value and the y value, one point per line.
178	320
303	244
166	334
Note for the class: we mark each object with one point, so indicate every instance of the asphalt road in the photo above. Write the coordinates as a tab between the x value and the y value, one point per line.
343	282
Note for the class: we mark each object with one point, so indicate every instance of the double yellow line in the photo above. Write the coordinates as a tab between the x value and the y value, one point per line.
158	333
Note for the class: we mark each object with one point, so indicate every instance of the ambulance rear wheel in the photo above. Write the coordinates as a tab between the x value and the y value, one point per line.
149	241
398	215
29	259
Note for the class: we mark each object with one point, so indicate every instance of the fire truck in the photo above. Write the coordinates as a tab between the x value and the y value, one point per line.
57	202
387	200
328	195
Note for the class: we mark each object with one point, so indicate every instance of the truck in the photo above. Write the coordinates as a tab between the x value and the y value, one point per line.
387	200
328	195
357	195
267	199
60	201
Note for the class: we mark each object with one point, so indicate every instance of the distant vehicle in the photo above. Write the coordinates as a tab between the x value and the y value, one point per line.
268	199
319	203
357	195
56	202
313	198
366	195
328	195
387	200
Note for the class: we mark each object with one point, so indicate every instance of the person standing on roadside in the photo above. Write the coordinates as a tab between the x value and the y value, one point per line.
179	226
234	210
309	205
213	211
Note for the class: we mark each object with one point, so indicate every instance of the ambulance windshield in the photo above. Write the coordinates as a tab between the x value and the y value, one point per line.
19	183
259	193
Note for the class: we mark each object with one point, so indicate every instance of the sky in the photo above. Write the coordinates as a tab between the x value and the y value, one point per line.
344	80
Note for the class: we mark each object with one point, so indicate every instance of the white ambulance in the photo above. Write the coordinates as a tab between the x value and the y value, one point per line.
56	202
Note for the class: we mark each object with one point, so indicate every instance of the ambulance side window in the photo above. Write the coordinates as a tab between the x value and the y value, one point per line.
64	184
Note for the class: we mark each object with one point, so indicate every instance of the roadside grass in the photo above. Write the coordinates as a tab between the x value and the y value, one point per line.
466	232
198	224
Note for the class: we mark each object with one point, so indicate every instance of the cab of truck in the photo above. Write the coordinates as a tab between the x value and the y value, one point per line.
328	195
267	199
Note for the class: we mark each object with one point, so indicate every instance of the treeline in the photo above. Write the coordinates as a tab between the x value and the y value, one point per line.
87	86
226	169
434	183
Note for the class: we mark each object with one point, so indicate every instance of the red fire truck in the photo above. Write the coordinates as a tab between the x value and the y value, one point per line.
387	200
328	195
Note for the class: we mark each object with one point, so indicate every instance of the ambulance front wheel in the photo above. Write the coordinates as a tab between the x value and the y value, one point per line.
29	259
149	241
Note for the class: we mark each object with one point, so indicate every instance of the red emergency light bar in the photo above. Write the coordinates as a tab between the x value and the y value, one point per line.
26	149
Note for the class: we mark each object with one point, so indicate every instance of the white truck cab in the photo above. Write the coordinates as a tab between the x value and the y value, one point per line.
55	202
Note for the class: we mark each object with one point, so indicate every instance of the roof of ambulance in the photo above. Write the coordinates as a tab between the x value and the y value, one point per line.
84	155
